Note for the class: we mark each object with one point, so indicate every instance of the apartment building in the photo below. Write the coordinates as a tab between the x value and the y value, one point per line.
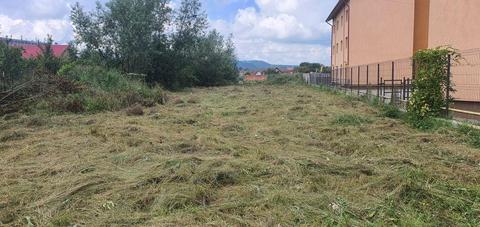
370	31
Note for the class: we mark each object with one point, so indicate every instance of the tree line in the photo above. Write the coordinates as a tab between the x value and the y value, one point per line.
172	47
125	53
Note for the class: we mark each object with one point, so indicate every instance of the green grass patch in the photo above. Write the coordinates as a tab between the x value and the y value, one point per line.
391	111
352	120
472	135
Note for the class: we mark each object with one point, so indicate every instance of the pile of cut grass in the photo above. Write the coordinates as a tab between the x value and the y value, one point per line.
262	155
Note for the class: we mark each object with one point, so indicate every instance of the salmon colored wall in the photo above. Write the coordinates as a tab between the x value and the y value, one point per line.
340	32
455	23
380	30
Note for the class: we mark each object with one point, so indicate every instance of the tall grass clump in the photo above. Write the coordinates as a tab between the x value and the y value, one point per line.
104	90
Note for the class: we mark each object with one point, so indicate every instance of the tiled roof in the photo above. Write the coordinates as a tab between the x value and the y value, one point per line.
33	51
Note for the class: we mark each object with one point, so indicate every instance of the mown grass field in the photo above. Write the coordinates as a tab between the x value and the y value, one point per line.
254	155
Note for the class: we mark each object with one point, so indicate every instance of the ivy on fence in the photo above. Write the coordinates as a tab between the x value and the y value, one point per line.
432	85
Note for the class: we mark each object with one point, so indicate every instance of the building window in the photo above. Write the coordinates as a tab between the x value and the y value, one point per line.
342	21
346	43
341	45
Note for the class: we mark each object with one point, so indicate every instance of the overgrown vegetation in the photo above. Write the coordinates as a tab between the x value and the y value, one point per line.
260	155
431	85
126	57
132	36
306	67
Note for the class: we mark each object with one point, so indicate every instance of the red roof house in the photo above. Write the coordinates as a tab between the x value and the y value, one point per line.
258	76
34	51
31	49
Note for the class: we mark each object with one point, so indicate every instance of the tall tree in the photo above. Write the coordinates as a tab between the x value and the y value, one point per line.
190	23
216	61
11	62
47	62
123	32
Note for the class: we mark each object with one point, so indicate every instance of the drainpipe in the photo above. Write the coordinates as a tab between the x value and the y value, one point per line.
331	47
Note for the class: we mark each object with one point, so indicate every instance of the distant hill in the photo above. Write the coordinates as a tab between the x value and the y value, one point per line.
259	65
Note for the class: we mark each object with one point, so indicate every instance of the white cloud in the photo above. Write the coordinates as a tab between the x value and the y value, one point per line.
281	31
60	29
278	31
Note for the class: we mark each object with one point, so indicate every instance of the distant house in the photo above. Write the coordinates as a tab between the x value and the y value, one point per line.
255	76
33	49
289	70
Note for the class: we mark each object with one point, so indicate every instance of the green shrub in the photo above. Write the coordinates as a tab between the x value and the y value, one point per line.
431	82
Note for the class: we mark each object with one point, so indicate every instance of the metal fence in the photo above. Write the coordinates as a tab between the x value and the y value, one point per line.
391	82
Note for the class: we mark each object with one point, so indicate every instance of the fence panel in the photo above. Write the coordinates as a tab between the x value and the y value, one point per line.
394	79
465	76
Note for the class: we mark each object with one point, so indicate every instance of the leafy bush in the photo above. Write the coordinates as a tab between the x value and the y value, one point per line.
431	82
133	36
283	79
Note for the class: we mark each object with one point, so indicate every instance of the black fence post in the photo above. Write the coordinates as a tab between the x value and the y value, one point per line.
408	89
449	74
367	86
378	80
351	80
393	84
336	79
358	81
332	74
382	87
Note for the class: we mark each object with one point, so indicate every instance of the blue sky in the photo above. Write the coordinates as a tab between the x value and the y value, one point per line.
277	31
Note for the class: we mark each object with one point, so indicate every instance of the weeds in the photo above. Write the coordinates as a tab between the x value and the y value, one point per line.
352	120
427	123
472	134
391	111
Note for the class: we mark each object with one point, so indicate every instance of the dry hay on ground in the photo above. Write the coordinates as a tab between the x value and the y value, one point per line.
251	155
